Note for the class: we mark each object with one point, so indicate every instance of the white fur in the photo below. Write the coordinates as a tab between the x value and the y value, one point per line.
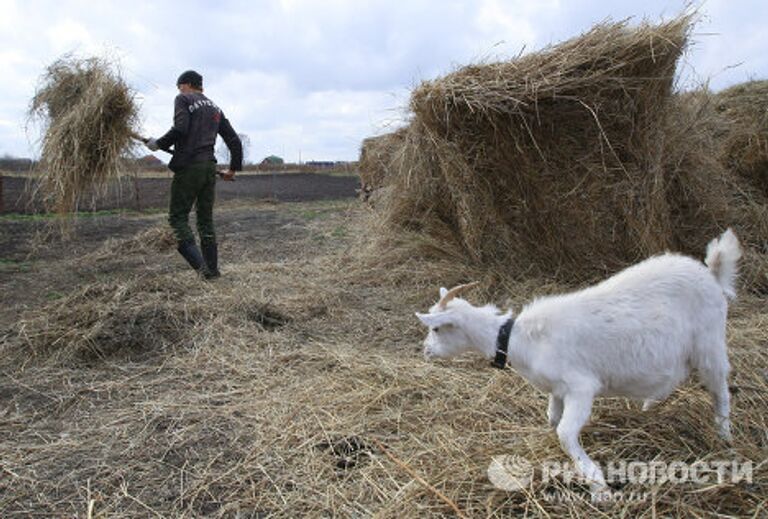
637	334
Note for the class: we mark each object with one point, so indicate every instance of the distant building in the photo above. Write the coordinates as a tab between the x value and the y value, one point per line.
272	160
149	161
10	163
321	163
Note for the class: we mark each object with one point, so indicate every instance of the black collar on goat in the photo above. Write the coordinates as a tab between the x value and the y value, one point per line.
502	343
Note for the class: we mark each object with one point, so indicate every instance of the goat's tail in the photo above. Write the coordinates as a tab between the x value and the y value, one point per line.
722	257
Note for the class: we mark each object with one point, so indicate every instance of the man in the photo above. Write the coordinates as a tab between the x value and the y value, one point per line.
196	122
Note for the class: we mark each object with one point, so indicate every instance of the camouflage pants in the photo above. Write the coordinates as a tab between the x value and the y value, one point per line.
193	185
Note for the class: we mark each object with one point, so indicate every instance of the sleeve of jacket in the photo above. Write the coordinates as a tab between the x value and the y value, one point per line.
232	140
180	123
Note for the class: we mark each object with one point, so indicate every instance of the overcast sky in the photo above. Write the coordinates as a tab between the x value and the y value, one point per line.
316	77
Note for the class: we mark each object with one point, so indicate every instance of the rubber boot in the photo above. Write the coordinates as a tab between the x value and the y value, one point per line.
190	252
211	256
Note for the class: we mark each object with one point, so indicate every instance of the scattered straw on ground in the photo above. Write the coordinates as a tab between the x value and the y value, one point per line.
271	393
158	238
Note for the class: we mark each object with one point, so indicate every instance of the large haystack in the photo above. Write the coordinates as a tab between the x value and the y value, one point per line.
707	194
745	109
567	162
89	113
376	155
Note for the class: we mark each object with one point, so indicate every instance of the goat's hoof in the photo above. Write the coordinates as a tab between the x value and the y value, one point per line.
724	430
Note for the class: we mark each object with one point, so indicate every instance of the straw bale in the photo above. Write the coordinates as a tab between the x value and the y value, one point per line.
549	161
88	113
745	110
614	74
376	157
706	193
571	162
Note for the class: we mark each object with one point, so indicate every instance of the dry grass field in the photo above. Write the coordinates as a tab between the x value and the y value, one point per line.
294	386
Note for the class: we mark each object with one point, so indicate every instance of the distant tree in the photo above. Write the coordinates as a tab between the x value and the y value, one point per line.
222	152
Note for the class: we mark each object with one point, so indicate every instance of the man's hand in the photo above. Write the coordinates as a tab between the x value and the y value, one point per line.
152	144
227	175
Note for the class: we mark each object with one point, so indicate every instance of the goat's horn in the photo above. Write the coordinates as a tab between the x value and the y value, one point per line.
455	291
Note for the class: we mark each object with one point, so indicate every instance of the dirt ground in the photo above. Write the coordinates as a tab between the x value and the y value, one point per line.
36	262
31	244
147	193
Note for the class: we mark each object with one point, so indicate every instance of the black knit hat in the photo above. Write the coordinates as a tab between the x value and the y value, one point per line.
191	77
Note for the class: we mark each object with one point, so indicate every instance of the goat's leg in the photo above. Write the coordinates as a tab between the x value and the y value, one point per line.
576	410
716	383
554	410
661	394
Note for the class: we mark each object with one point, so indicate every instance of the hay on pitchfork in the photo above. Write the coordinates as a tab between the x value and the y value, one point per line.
89	114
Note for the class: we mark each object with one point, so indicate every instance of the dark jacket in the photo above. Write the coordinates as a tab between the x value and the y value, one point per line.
196	122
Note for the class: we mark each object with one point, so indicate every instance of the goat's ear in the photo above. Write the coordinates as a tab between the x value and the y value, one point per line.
443	291
435	320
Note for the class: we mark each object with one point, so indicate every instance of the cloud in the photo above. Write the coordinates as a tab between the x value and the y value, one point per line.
69	34
511	21
729	42
321	76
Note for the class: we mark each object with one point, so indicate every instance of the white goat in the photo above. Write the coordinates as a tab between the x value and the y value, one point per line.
637	334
